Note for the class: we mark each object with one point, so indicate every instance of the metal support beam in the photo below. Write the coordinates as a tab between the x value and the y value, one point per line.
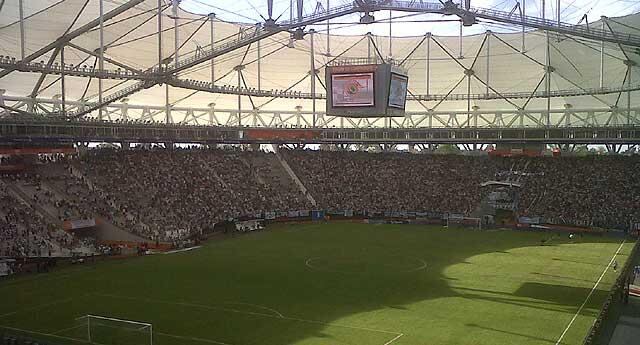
259	66
629	96
176	36
77	32
159	15
428	63
488	60
212	36
239	98
460	55
522	15
369	45
22	33
101	56
468	122
390	37
328	33
313	76
63	88
167	105
603	19
558	16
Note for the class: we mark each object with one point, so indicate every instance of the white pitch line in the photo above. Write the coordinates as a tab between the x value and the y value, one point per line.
68	329
257	306
193	338
53	335
193	305
39	306
46	334
590	293
202	306
422	266
394	339
182	250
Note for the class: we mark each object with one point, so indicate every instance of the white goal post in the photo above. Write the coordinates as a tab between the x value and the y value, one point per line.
104	330
457	221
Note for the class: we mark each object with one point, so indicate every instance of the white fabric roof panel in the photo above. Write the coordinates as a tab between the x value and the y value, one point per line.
131	38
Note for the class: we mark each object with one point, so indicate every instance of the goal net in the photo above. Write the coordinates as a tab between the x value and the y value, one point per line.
112	331
466	222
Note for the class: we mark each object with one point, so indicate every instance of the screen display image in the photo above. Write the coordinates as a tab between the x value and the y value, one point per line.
398	91
352	90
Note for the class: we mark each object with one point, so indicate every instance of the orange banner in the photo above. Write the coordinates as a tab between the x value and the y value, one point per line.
35	150
282	134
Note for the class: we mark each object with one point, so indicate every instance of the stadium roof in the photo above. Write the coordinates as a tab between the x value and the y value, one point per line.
499	64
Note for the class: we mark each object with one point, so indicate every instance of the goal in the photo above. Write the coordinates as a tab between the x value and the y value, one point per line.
466	222
113	331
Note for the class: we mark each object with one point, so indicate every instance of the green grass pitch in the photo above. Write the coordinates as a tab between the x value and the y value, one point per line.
338	283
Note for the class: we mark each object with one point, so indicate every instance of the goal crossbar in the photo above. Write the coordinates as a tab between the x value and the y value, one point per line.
98	318
462	221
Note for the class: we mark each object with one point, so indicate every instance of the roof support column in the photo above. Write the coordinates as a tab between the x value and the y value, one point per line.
212	40
369	46
468	123
313	76
488	59
460	42
547	83
259	65
212	114
390	40
602	18
101	57
468	73
22	41
239	97
428	63
2	110
522	15
62	82
558	15
629	93
176	40
159	33
328	33
167	105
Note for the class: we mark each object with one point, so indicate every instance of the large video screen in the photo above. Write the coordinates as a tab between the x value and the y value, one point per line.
398	90
352	90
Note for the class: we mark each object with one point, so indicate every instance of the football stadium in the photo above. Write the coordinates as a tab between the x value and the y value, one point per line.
328	172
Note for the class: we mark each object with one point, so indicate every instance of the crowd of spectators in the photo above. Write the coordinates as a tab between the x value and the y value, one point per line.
391	181
160	191
601	191
170	195
23	232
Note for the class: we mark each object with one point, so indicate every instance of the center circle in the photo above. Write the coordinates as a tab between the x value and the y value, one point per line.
366	264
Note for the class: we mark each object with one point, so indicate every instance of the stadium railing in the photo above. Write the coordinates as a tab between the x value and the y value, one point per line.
605	324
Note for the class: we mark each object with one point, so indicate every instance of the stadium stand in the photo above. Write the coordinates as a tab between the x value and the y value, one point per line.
24	232
169	195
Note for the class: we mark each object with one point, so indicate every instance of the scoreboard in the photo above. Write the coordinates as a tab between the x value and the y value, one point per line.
373	90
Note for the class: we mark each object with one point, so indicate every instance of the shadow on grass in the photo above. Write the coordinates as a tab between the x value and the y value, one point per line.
188	295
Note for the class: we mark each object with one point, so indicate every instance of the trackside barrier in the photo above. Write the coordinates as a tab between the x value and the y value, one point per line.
605	324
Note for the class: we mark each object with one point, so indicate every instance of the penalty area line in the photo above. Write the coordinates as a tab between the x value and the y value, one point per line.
593	289
64	300
394	339
273	316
